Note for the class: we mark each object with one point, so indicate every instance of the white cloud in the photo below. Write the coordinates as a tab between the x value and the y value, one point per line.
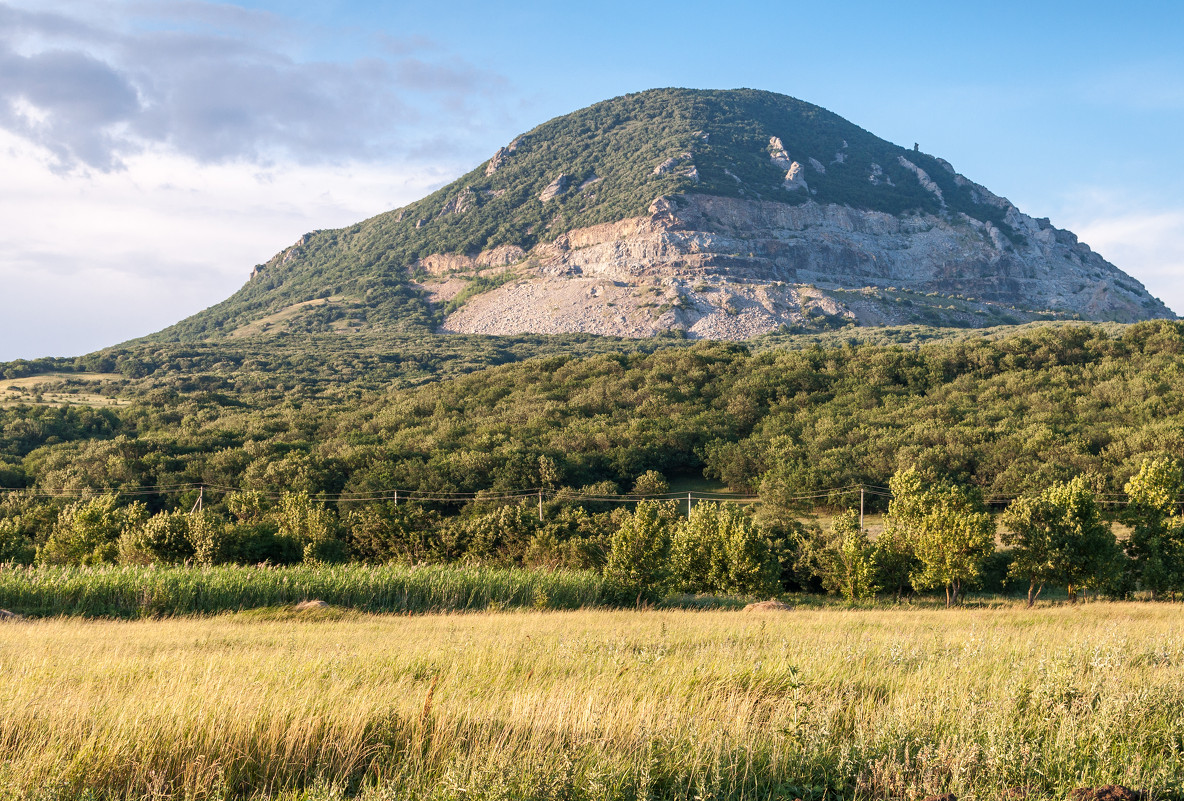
94	86
91	260
1147	244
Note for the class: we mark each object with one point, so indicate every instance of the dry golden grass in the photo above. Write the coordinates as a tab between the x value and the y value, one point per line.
57	388
596	704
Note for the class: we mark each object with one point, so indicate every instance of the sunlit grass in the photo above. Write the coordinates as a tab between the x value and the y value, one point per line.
596	704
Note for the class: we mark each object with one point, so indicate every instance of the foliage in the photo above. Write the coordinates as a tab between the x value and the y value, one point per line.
87	532
894	560
718	549
638	561
842	558
310	526
1059	536
950	530
1156	544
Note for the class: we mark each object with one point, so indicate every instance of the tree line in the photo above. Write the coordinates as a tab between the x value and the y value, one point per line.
938	535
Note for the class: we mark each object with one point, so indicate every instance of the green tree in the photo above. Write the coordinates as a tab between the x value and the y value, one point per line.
87	532
637	568
950	529
164	537
895	562
1059	536
1156	544
310	525
718	549
841	558
404	532
651	482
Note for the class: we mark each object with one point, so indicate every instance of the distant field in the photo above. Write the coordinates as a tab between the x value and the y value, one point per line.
807	704
57	388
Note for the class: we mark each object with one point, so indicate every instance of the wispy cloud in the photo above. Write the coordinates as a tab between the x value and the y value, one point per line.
1148	244
95	84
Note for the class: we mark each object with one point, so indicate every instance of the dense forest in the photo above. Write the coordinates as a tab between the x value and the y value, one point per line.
298	453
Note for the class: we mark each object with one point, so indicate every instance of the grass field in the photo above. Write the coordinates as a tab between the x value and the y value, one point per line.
88	389
596	704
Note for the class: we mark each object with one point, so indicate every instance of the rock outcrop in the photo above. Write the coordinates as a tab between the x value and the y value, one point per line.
731	268
555	188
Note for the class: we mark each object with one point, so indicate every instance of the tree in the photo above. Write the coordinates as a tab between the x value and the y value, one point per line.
164	538
1059	536
87	532
637	562
386	532
310	525
718	549
651	482
894	560
1156	544
841	558
950	530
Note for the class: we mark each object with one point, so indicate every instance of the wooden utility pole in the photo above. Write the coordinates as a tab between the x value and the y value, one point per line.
396	497
688	506
540	506
197	506
861	507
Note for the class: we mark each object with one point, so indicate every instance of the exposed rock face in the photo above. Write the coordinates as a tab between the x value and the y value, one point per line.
923	178
795	178
731	268
500	157
555	188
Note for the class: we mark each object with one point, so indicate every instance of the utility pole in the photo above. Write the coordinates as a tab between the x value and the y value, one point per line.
688	506
861	507
197	506
540	506
396	497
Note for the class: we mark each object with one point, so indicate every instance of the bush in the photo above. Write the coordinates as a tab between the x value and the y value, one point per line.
719	550
87	532
637	568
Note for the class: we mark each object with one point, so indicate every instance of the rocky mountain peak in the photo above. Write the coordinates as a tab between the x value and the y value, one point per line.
718	213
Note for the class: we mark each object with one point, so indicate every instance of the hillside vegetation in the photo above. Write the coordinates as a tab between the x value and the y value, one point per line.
542	462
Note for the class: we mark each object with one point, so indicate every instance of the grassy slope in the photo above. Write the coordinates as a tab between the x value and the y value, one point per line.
597	705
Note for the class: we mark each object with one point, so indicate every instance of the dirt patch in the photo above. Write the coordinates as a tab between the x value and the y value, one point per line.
768	606
1107	792
308	606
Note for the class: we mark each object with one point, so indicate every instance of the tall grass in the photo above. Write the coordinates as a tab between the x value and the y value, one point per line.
596	704
132	592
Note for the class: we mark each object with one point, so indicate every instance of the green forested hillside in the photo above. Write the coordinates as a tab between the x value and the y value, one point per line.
400	452
1006	414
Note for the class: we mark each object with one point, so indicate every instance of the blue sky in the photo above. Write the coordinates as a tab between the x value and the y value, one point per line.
155	151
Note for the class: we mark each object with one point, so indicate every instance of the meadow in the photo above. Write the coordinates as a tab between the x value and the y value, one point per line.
888	703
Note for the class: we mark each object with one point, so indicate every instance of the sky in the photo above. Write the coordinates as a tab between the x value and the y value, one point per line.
151	153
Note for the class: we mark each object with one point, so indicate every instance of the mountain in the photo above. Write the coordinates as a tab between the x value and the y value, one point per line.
721	214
